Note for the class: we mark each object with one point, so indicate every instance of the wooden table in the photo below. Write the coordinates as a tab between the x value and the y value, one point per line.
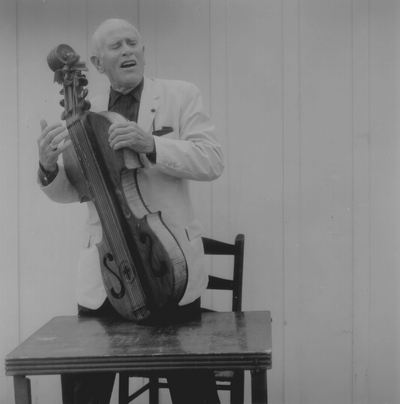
218	341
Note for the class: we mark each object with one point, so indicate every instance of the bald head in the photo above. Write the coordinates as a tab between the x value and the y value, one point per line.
105	29
118	52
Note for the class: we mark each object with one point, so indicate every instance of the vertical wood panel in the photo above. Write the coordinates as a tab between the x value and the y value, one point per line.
326	201
9	287
220	219
148	31
361	222
396	299
254	158
254	151
291	202
384	202
221	226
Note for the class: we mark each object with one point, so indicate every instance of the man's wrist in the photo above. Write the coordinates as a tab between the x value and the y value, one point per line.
46	177
47	170
152	156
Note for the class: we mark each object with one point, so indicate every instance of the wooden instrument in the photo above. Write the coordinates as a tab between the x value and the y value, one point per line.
143	268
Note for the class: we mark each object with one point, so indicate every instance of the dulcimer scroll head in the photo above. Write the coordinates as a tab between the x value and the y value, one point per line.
60	56
67	68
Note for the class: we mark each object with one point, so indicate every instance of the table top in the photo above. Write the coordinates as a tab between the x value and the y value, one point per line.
216	340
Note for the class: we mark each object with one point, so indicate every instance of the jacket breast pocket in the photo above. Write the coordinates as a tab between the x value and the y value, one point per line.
163	131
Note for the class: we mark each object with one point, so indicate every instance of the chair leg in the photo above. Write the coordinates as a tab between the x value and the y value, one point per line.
259	393
67	388
153	391
22	390
123	392
237	392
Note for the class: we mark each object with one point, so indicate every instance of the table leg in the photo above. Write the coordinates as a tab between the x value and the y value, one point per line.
259	393
22	390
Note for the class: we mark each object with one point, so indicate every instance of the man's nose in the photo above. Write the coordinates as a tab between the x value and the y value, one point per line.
126	49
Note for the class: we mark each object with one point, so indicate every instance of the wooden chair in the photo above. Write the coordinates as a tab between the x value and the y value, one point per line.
232	381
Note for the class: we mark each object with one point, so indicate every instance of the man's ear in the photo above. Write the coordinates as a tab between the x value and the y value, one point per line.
96	63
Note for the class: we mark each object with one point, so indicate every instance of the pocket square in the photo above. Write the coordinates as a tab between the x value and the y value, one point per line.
163	131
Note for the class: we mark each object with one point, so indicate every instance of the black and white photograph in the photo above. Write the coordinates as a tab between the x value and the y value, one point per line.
200	201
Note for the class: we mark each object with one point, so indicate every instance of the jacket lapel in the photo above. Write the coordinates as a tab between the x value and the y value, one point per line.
100	103
148	105
147	111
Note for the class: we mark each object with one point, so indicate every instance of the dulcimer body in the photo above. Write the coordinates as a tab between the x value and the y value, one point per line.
143	267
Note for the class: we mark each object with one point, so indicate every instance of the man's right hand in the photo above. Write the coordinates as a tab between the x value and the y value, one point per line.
50	146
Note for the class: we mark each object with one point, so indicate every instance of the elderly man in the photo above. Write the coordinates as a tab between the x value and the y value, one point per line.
174	137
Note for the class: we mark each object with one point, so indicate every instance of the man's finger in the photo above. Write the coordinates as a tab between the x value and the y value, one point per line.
121	125
65	145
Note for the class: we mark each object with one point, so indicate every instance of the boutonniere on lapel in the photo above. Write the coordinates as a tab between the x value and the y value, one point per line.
163	131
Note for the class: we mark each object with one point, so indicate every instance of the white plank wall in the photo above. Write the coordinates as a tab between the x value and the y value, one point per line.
361	202
384	203
305	95
9	159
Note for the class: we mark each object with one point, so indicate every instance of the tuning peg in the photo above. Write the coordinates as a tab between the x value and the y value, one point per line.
83	81
62	103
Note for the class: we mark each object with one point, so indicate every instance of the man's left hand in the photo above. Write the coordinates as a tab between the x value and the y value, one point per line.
129	134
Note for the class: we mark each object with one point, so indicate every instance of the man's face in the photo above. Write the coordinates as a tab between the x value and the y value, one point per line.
121	57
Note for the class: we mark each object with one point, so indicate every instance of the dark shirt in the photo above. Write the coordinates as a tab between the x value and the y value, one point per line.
126	104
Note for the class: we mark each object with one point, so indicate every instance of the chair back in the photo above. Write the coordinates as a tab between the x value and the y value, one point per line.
215	247
232	381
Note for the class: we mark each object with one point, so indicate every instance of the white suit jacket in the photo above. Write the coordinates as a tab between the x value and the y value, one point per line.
189	152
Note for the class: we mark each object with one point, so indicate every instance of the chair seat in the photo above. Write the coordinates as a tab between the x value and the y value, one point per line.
224	375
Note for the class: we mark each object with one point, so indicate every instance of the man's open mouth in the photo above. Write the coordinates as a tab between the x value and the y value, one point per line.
130	63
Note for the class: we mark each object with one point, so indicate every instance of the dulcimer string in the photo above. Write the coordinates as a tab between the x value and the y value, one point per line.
101	195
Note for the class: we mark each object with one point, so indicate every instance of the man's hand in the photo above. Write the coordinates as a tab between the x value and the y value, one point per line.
49	144
129	134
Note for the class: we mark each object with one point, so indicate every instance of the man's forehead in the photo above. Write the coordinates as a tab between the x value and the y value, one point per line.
120	31
112	31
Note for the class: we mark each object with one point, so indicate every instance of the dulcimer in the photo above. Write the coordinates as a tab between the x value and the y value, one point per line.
143	268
